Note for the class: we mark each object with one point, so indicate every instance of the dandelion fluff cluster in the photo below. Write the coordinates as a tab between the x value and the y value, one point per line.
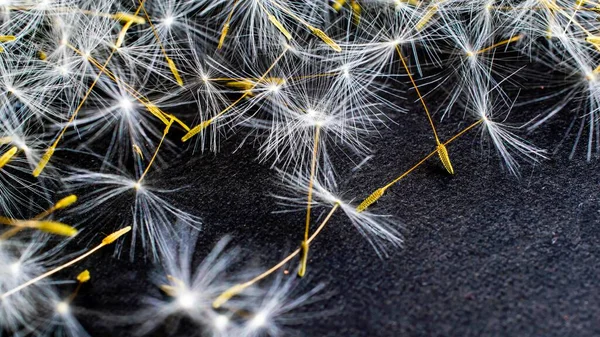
128	84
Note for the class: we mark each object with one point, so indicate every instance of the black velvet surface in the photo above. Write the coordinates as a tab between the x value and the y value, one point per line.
485	253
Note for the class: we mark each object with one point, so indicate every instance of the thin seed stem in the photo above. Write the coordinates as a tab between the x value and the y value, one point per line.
51	272
107	241
437	140
10	233
165	132
313	168
74	293
225	296
501	43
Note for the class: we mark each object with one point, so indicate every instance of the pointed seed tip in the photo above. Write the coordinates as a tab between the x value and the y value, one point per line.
66	201
58	228
227	295
114	236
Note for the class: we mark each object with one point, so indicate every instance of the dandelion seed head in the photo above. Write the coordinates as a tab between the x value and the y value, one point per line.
20	143
125	104
15	268
344	109
186	299
394	42
221	322
315	117
168	21
43	4
259	320
591	77
62	308
63	70
345	69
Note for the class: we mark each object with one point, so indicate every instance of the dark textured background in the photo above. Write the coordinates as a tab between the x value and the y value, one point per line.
486	253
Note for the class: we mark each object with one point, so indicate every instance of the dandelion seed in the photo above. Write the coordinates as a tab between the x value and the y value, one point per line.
378	193
149	212
443	153
19	262
237	289
274	313
4	39
190	287
50	151
370	200
106	241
